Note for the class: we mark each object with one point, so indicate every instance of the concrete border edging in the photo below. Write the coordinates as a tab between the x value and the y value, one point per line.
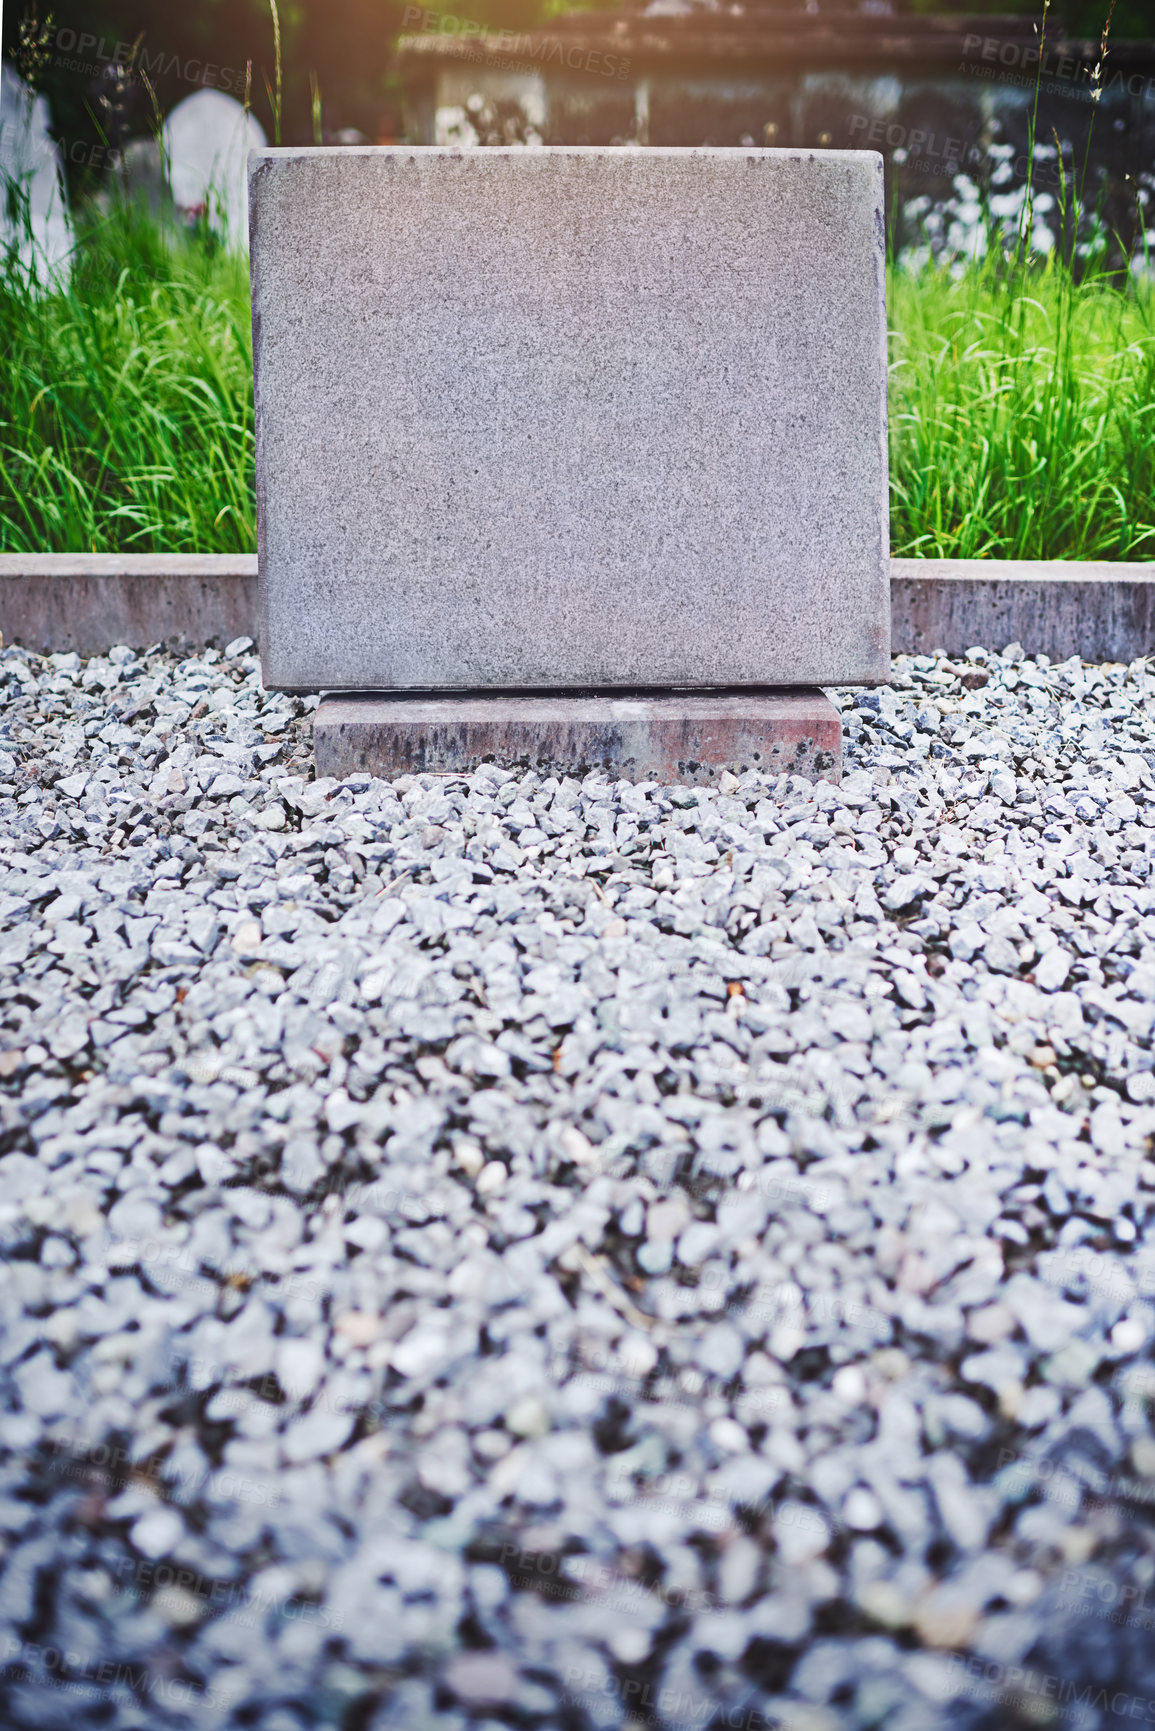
88	602
1094	609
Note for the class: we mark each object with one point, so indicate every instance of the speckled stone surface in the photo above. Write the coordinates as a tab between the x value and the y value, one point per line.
692	737
570	418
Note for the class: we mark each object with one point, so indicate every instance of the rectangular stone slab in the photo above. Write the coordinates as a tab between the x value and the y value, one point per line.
569	418
691	737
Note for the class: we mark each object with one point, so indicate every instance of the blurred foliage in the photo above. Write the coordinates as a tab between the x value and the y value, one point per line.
1078	19
345	45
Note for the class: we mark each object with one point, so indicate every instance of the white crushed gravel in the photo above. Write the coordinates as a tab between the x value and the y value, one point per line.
510	1253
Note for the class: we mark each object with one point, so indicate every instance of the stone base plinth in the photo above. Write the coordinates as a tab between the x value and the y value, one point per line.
675	737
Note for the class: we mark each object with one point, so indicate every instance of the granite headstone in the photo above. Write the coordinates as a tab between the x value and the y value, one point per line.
570	418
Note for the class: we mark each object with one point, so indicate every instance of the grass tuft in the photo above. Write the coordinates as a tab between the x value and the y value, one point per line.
1022	413
126	420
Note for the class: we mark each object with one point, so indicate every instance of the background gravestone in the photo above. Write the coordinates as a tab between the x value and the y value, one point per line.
207	138
35	227
570	418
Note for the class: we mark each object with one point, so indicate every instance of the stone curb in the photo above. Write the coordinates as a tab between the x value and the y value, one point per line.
89	601
1094	609
688	737
56	602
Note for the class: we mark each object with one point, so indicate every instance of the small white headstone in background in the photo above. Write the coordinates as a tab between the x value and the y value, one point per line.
206	139
39	231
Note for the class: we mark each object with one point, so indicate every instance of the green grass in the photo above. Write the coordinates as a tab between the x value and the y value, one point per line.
1022	407
1022	414
126	419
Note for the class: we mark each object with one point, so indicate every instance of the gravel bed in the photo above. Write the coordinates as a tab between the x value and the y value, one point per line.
510	1253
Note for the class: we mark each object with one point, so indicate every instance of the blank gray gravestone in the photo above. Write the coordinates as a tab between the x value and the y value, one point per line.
570	419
